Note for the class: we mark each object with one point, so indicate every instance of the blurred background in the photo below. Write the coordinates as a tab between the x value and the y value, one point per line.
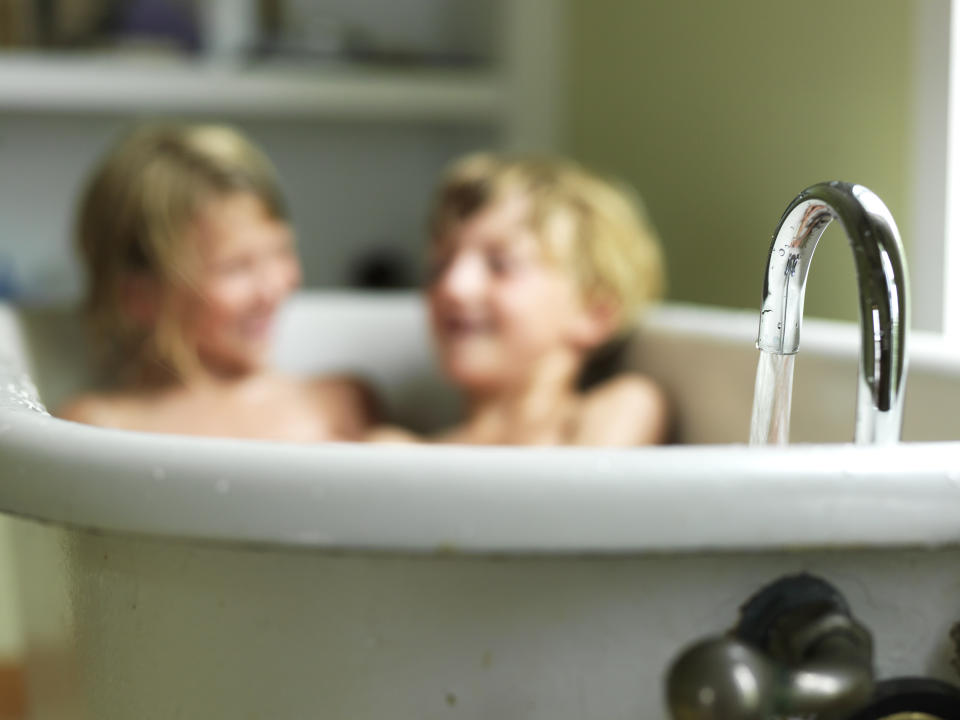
717	113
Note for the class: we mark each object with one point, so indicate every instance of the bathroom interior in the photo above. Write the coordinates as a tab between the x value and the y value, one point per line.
437	582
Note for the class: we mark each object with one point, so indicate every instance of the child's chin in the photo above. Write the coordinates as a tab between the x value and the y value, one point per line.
249	362
475	379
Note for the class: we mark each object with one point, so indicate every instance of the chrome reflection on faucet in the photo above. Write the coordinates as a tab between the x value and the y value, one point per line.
883	287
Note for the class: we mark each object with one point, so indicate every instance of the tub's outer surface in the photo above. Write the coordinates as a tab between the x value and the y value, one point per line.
157	630
166	577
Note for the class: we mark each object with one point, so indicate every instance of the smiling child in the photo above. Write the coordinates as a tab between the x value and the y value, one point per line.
189	255
537	264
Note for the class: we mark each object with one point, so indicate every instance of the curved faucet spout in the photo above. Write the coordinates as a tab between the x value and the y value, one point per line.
883	286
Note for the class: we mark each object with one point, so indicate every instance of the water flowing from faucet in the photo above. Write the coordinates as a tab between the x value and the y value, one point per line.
884	319
770	422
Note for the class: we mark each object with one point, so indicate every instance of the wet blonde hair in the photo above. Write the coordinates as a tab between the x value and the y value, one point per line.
134	217
615	255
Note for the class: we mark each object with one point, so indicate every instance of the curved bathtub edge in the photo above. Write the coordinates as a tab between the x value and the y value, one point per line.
479	500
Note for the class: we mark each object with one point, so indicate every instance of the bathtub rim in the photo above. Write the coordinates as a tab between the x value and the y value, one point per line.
501	500
811	496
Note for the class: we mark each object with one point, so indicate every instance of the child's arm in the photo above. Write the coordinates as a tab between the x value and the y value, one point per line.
627	410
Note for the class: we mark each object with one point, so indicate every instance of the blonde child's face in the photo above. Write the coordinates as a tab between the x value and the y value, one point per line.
246	268
499	305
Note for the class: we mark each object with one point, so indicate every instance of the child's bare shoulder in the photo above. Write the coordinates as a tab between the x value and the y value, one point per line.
93	408
628	409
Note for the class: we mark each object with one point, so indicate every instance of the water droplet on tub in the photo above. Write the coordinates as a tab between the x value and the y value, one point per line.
4	428
159	473
222	485
782	252
17	391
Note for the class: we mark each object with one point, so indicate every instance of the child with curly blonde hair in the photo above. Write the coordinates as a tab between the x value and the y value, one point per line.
536	264
189	255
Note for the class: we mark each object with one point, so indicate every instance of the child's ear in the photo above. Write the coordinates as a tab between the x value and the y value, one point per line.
140	299
595	323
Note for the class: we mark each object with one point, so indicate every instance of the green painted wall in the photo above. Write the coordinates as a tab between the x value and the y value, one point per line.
719	113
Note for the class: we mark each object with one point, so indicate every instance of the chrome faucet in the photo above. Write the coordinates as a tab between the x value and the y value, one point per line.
795	652
884	290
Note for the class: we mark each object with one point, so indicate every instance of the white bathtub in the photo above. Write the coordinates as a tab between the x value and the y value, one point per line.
175	577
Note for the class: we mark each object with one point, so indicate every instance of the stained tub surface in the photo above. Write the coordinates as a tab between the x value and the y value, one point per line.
166	576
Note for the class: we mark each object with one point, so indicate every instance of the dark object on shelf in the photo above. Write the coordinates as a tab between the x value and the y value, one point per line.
77	25
308	31
383	268
363	47
17	25
158	22
912	698
68	23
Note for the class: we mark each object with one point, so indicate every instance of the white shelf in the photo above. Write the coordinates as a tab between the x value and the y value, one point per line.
37	82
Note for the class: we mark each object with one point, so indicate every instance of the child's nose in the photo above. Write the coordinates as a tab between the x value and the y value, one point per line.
463	277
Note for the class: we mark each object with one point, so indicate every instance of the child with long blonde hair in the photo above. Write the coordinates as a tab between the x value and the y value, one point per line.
536	264
189	254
